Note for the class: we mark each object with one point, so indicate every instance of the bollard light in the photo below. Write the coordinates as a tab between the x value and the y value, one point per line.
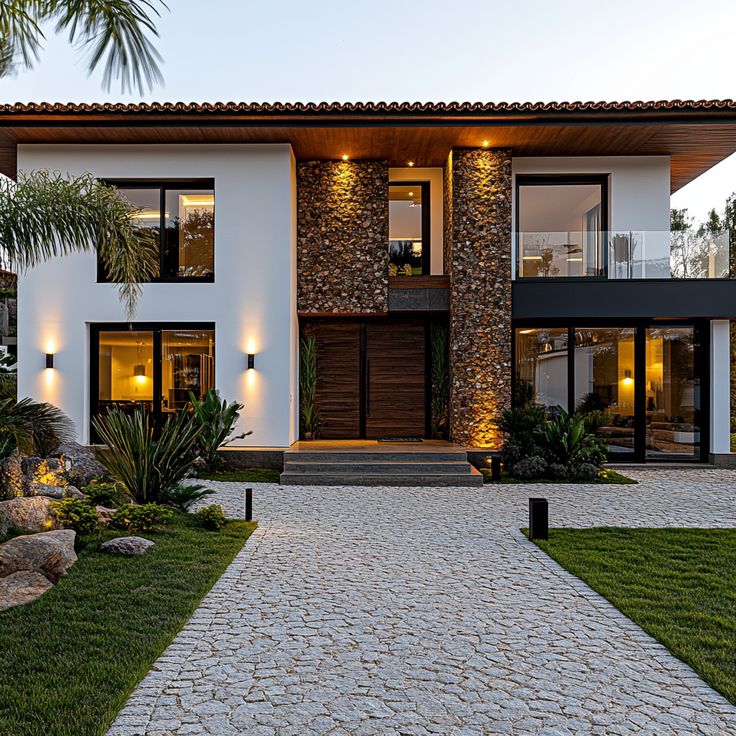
538	518
496	466
249	504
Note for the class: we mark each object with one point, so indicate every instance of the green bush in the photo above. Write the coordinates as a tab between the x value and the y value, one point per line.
183	496
566	440
101	493
148	468
216	419
73	513
212	517
530	468
148	517
522	426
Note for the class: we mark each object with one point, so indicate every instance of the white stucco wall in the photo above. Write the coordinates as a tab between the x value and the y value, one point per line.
436	232
251	302
638	190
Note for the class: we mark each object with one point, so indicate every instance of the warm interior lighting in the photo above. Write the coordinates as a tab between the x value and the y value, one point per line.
628	380
485	144
345	157
410	163
139	370
197	200
574	259
531	258
147	215
416	248
527	332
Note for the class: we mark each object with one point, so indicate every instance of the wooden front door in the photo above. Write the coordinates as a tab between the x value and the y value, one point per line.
371	379
395	379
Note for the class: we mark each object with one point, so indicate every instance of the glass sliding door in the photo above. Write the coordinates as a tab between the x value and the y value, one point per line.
541	367
151	366
125	370
604	381
672	393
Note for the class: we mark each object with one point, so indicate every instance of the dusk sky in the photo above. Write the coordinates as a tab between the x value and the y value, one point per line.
430	51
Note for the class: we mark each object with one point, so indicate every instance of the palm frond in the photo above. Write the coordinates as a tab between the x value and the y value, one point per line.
114	31
19	34
45	215
34	426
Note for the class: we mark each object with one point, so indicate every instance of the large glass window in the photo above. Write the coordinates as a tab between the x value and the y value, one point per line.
151	367
672	392
561	226
541	367
605	380
408	226
183	220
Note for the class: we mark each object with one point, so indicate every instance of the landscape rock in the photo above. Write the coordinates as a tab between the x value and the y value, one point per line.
79	463
127	546
105	513
11	476
27	514
22	587
56	492
50	553
47	470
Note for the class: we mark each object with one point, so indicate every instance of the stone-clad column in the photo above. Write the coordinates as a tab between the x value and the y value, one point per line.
478	259
342	237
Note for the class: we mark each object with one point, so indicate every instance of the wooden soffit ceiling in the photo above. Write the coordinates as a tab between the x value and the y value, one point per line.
696	134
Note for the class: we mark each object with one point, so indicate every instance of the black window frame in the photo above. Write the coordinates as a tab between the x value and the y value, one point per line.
426	220
156	328
164	185
562	180
701	335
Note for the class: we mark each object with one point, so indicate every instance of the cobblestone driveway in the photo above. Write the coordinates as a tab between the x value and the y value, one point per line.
401	611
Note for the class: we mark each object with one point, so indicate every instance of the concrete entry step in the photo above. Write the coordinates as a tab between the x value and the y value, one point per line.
443	480
351	456
380	468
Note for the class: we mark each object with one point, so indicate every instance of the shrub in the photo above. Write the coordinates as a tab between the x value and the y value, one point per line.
586	472
212	517
530	468
149	517
148	468
522	426
565	440
77	514
557	471
183	496
100	493
310	416
216	419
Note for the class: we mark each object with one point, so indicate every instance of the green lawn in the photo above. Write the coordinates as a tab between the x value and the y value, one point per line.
244	475
677	584
70	659
607	477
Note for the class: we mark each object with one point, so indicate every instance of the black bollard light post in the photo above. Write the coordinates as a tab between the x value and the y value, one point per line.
538	518
249	504
496	466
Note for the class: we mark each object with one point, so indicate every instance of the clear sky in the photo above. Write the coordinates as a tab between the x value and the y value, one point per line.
434	50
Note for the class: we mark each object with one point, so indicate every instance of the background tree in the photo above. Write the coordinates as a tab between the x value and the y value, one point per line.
113	32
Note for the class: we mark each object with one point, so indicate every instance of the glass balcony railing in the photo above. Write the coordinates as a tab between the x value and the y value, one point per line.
624	254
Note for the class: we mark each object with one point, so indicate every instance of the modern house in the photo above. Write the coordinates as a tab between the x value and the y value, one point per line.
443	260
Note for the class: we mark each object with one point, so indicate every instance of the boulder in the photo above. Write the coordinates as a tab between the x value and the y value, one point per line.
27	514
47	470
22	587
128	546
11	476
51	554
105	513
79	463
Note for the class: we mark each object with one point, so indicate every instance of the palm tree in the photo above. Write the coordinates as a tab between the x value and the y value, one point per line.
111	30
45	215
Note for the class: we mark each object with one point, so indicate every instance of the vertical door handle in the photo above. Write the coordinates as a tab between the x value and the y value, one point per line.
368	387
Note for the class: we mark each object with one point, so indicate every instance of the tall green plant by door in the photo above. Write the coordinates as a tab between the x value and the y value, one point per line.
440	381
308	387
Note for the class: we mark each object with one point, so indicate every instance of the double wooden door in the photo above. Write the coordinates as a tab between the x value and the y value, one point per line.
371	378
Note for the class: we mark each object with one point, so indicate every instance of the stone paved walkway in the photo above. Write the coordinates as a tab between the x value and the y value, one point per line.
355	611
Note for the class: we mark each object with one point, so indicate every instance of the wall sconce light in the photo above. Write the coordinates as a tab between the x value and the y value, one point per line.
251	361
49	360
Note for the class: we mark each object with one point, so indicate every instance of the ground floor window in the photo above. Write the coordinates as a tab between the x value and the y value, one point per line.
154	367
648	379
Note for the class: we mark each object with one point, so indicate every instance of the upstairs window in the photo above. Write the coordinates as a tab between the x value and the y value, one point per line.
182	217
408	226
561	226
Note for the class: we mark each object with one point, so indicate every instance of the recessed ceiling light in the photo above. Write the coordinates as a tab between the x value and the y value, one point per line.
345	157
411	194
485	144
410	163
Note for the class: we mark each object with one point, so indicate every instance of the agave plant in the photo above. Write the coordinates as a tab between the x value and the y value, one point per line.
217	419
440	381
567	441
311	418
149	466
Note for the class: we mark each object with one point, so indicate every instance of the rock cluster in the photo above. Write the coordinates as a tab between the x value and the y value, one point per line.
478	259
342	237
30	565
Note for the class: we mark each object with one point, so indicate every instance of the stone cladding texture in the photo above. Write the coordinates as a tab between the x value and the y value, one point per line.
342	237
478	254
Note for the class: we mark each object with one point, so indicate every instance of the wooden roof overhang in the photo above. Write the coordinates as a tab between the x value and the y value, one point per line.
695	134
